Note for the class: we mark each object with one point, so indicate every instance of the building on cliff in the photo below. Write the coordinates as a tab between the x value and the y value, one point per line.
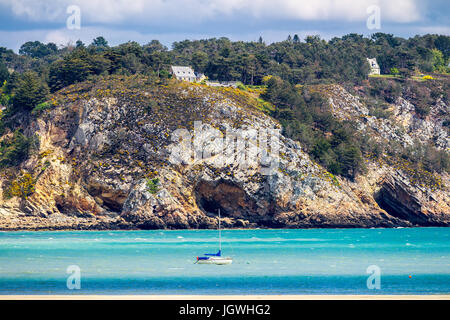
183	73
374	67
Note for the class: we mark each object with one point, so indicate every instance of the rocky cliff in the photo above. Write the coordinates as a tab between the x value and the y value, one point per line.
104	159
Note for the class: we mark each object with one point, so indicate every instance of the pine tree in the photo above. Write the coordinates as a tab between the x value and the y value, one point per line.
79	44
100	42
4	73
30	91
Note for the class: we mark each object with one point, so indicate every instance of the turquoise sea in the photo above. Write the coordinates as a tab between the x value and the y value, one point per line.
316	261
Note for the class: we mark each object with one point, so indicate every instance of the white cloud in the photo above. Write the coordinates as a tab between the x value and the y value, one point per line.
167	20
34	10
191	11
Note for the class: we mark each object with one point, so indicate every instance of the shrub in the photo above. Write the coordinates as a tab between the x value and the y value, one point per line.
423	95
23	187
380	113
389	90
422	110
153	185
395	71
151	106
41	107
14	150
266	79
5	99
241	86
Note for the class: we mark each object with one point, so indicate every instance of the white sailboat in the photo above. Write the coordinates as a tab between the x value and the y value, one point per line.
215	258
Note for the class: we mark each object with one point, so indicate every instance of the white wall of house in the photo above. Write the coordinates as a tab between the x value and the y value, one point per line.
374	67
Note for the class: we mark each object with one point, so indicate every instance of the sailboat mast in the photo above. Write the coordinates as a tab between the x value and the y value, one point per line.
220	238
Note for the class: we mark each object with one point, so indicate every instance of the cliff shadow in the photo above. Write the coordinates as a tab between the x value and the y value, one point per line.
230	198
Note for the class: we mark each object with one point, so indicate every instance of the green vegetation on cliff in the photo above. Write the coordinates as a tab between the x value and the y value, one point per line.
306	117
311	61
14	149
280	79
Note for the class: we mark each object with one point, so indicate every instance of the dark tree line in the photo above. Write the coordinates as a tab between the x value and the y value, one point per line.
311	61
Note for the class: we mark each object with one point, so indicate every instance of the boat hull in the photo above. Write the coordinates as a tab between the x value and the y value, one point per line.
216	260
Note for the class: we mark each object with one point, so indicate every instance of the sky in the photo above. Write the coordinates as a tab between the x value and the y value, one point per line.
119	21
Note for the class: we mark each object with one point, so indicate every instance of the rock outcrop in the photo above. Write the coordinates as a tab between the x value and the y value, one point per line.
409	203
111	155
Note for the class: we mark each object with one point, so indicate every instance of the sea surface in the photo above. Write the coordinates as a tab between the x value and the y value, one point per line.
316	261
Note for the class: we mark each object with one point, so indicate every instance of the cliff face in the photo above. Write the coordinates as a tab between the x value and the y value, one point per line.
105	159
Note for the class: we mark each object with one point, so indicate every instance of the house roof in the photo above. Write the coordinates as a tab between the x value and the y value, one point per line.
183	71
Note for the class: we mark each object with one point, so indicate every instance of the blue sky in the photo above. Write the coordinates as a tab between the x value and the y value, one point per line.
175	20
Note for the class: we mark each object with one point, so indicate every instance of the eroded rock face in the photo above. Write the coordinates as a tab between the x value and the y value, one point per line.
96	154
404	127
231	199
409	203
111	198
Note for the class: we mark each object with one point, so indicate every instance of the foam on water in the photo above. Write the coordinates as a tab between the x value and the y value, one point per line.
318	261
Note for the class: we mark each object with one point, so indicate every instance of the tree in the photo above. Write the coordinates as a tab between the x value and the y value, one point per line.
74	68
442	43
438	61
13	150
153	46
37	49
12	83
79	44
30	91
99	44
311	61
52	47
4	73
251	67
114	58
385	39
199	61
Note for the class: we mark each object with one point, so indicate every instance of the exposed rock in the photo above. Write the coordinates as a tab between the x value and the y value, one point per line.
409	203
98	149
405	127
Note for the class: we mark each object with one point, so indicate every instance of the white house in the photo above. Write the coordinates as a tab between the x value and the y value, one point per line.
183	73
374	67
